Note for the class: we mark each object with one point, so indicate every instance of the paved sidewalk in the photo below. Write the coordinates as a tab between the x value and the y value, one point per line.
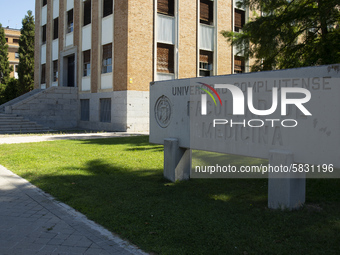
7	139
33	222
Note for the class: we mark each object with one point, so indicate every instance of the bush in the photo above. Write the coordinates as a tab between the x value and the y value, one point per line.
8	91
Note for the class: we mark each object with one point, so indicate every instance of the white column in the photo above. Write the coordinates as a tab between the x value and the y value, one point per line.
285	190
177	161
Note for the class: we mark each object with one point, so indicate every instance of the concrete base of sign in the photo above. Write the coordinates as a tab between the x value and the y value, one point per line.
285	190
177	161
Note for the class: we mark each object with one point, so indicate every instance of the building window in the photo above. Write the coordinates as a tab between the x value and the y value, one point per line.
87	63
70	21
87	12
166	7
207	12
107	58
43	34
105	110
55	28
16	76
84	109
43	74
206	63
16	41
16	55
44	2
6	40
240	19
107	7
239	64
55	70
165	58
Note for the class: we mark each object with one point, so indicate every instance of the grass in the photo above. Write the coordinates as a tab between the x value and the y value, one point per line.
119	184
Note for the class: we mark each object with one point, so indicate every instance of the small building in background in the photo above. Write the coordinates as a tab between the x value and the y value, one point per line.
12	38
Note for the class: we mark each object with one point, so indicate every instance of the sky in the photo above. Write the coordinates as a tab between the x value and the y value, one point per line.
13	11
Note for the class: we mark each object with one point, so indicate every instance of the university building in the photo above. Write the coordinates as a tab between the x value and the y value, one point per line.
12	39
108	52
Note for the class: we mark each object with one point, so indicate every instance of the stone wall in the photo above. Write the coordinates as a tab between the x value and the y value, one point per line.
55	107
137	111
129	111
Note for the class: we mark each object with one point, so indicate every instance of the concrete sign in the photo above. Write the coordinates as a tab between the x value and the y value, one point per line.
251	114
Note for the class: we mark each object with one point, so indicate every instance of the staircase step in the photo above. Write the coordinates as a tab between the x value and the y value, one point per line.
20	125
21	129
24	131
11	120
4	115
13	124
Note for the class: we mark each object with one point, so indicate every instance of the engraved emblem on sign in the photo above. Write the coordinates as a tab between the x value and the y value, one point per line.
163	111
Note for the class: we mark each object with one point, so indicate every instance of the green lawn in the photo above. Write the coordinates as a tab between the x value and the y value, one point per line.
119	184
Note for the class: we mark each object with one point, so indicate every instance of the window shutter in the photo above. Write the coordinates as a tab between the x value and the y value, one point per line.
105	109
43	74
84	109
163	6
165	58
206	11
87	56
206	56
107	51
55	28
239	65
70	16
87	12
55	70
55	65
108	8
239	19
166	7
44	34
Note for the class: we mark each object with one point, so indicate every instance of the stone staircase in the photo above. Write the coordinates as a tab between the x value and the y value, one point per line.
54	107
14	124
18	99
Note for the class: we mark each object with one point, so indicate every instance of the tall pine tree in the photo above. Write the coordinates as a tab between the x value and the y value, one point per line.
288	34
26	55
5	68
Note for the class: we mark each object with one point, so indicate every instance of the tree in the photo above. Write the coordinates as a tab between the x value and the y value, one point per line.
11	89
289	34
26	55
5	68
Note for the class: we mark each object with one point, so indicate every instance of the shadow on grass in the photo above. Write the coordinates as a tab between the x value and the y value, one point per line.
141	140
135	143
217	216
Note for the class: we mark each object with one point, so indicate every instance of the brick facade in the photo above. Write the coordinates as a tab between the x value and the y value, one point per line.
12	37
140	44
120	44
187	49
